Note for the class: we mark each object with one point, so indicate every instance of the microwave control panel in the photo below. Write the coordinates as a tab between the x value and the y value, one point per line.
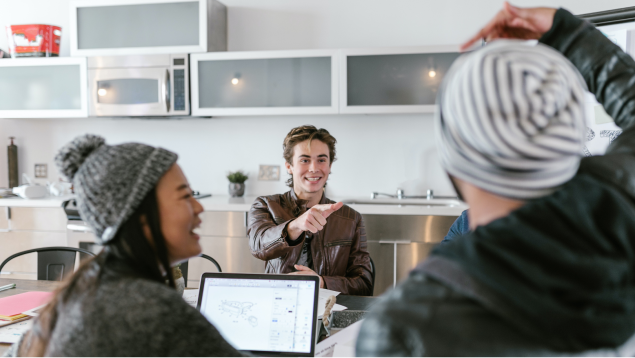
179	90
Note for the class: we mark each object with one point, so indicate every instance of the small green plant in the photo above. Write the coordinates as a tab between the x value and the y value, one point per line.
237	177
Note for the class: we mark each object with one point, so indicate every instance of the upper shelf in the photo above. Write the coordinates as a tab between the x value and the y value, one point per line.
395	80
43	88
264	83
139	27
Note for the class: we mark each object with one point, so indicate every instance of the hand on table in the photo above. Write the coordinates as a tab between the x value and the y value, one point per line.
313	220
515	23
303	270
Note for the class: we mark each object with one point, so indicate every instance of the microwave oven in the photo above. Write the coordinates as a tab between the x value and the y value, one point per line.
140	85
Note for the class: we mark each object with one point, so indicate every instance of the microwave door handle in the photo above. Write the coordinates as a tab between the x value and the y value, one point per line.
166	90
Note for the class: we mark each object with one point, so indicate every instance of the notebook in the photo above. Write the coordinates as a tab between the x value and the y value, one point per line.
12	307
263	314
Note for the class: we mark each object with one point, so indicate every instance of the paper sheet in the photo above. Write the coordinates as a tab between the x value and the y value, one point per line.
322	307
13	305
341	344
326	293
191	296
323	297
12	333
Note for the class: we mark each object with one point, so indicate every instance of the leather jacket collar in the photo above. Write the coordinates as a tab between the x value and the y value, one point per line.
299	206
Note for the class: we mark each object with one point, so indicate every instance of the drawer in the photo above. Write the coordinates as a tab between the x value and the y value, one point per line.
16	241
38	219
416	228
231	253
224	223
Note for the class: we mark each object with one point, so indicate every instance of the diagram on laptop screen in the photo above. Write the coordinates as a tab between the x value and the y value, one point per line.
239	310
266	316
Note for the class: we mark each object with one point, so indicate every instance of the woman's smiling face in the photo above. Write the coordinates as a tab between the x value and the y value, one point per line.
179	213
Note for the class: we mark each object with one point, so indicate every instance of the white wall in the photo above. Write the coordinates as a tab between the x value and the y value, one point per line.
376	153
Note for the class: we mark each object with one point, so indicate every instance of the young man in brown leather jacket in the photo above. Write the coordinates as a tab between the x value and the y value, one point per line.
302	232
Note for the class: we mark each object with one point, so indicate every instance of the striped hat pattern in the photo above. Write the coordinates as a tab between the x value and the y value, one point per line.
511	119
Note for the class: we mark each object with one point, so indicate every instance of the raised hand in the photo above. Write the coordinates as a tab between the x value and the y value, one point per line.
312	220
515	23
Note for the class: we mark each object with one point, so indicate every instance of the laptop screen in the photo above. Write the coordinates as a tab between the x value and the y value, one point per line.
261	314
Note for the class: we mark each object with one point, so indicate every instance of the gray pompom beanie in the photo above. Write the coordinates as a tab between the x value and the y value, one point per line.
111	181
511	119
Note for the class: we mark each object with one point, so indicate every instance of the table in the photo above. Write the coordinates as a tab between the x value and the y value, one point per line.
351	302
22	286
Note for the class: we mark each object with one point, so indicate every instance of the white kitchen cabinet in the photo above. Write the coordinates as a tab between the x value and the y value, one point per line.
393	80
137	27
264	83
43	88
25	267
224	237
29	228
4	218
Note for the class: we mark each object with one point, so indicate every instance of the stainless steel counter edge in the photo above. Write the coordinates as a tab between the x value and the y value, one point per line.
226	203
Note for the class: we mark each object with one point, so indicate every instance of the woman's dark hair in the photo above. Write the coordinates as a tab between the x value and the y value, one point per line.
130	246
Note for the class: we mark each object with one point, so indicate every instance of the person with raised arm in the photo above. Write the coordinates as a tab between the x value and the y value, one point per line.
302	232
547	268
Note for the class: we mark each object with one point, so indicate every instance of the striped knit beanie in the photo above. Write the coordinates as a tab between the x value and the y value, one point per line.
110	182
511	119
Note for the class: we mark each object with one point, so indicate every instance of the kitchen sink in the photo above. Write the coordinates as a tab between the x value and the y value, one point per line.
403	202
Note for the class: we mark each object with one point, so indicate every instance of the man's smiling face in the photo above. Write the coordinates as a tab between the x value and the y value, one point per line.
311	166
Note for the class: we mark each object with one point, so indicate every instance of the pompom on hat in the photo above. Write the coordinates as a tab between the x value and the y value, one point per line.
511	119
111	181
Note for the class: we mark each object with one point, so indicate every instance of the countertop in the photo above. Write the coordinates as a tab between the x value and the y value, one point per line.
47	202
227	203
381	207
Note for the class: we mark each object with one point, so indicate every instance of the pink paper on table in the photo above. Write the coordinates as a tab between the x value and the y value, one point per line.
13	305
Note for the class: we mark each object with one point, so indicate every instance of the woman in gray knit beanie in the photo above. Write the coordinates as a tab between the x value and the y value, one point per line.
139	203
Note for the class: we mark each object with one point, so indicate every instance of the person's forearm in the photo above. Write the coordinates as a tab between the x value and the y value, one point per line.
607	70
293	232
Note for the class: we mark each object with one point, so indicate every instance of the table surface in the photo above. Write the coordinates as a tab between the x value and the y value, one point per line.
22	286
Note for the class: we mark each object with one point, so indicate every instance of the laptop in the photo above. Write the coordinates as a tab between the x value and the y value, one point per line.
263	314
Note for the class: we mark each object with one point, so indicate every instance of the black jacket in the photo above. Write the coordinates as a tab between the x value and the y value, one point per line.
556	276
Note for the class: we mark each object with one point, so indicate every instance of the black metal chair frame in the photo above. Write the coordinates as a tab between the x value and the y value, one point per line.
185	266
45	249
372	271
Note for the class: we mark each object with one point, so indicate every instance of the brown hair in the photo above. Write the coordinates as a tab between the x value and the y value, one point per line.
301	134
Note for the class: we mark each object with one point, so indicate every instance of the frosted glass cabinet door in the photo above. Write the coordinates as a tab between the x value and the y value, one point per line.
280	82
393	80
127	27
43	88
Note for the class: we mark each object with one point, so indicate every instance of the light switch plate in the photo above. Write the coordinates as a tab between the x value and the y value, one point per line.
41	171
269	172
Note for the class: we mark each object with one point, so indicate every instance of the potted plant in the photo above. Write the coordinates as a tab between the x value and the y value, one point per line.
237	183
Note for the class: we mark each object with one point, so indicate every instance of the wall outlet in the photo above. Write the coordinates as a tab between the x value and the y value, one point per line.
41	171
269	172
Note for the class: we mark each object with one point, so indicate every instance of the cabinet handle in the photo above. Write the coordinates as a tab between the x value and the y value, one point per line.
396	242
166	88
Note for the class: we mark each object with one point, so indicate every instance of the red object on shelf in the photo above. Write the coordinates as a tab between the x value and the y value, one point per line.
35	40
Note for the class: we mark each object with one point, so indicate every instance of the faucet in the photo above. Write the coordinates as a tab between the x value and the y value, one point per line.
400	195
